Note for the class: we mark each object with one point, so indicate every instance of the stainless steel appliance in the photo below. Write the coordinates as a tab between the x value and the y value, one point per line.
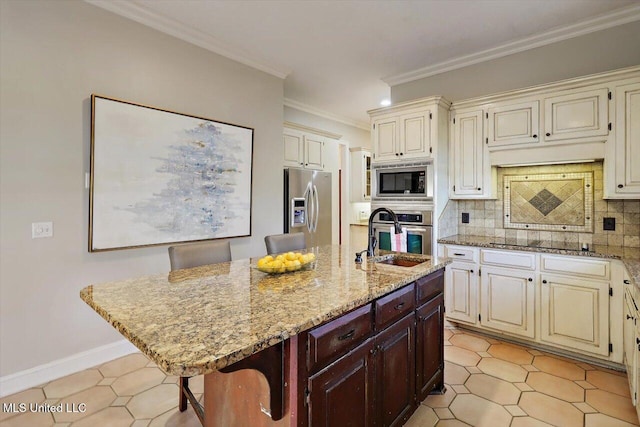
307	198
407	181
418	225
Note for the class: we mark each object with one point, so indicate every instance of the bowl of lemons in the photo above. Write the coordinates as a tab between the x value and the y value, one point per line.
287	262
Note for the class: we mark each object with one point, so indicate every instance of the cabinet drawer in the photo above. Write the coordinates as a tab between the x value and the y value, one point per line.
597	269
461	253
508	259
394	306
334	339
429	286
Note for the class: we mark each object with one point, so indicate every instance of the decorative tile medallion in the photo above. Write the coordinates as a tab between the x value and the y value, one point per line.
549	202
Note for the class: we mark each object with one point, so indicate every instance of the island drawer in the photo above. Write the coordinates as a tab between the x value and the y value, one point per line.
429	286
394	306
332	340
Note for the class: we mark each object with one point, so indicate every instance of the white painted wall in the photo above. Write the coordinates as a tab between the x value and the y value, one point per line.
605	50
53	56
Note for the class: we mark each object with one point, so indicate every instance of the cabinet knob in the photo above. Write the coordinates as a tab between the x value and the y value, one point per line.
620	185
471	271
479	189
548	134
401	154
530	279
397	154
544	281
535	136
637	340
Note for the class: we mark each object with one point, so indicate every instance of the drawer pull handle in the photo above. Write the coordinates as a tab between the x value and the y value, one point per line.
399	306
458	254
629	317
347	335
626	282
637	340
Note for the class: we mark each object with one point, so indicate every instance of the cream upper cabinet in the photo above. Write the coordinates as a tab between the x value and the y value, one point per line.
402	137
507	300
470	171
303	150
360	175
509	123
410	131
624	178
576	113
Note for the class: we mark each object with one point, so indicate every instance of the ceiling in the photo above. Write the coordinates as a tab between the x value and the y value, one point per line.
338	58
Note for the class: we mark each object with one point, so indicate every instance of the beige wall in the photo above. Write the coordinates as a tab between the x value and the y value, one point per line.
604	50
53	56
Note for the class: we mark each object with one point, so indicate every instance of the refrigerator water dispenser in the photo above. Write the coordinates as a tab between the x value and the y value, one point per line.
298	212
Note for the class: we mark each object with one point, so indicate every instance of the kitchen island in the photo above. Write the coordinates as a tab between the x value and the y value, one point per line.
220	319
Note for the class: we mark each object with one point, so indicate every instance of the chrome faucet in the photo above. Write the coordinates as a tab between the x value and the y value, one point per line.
373	242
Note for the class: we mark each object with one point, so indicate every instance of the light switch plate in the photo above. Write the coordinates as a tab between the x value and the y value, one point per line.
41	229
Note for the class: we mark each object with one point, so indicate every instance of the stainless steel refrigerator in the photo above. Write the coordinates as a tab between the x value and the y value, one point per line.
307	198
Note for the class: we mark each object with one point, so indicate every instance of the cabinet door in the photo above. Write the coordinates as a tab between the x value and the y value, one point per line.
293	148
342	393
415	135
513	124
629	340
395	373
385	139
468	154
461	292
576	115
360	176
313	147
507	300
429	347
627	143
575	313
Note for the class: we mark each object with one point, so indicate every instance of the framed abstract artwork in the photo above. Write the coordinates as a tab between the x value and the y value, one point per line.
160	177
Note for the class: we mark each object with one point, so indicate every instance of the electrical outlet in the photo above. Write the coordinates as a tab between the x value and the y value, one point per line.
41	229
465	218
609	224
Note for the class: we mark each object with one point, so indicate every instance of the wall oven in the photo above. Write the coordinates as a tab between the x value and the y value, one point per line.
409	181
417	223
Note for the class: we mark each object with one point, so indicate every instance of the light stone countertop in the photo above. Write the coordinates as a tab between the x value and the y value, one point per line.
629	256
196	321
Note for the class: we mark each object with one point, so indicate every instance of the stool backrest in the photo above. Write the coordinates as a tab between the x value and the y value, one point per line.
278	243
196	254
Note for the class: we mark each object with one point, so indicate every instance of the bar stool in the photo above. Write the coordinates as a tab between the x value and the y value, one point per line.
278	243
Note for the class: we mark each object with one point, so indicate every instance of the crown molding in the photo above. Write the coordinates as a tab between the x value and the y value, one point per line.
142	15
310	129
618	17
327	115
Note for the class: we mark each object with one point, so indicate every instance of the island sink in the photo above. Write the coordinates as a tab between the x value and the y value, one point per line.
401	259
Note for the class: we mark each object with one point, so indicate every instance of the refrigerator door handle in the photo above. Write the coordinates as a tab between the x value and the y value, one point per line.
308	200
316	215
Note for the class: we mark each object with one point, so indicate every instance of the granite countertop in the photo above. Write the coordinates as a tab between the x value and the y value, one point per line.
629	256
196	321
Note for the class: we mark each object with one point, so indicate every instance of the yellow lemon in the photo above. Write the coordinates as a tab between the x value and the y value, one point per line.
280	257
268	258
311	256
262	262
290	256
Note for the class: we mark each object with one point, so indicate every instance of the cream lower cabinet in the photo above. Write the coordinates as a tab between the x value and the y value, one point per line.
575	313
631	348
461	284
572	303
507	300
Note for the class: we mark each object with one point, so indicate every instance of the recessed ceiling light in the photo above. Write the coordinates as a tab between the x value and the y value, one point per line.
385	102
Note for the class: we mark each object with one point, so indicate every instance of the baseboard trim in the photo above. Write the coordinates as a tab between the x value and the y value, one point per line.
23	380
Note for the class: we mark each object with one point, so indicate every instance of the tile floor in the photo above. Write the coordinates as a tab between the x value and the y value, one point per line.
489	383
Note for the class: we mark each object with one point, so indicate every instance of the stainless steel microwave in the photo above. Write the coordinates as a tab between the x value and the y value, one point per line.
404	182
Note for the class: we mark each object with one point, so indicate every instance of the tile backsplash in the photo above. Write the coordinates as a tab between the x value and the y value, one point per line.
486	217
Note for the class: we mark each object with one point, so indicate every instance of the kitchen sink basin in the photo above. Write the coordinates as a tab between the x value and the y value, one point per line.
402	260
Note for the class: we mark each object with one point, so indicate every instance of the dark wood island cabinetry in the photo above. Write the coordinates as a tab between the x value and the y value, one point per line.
343	344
